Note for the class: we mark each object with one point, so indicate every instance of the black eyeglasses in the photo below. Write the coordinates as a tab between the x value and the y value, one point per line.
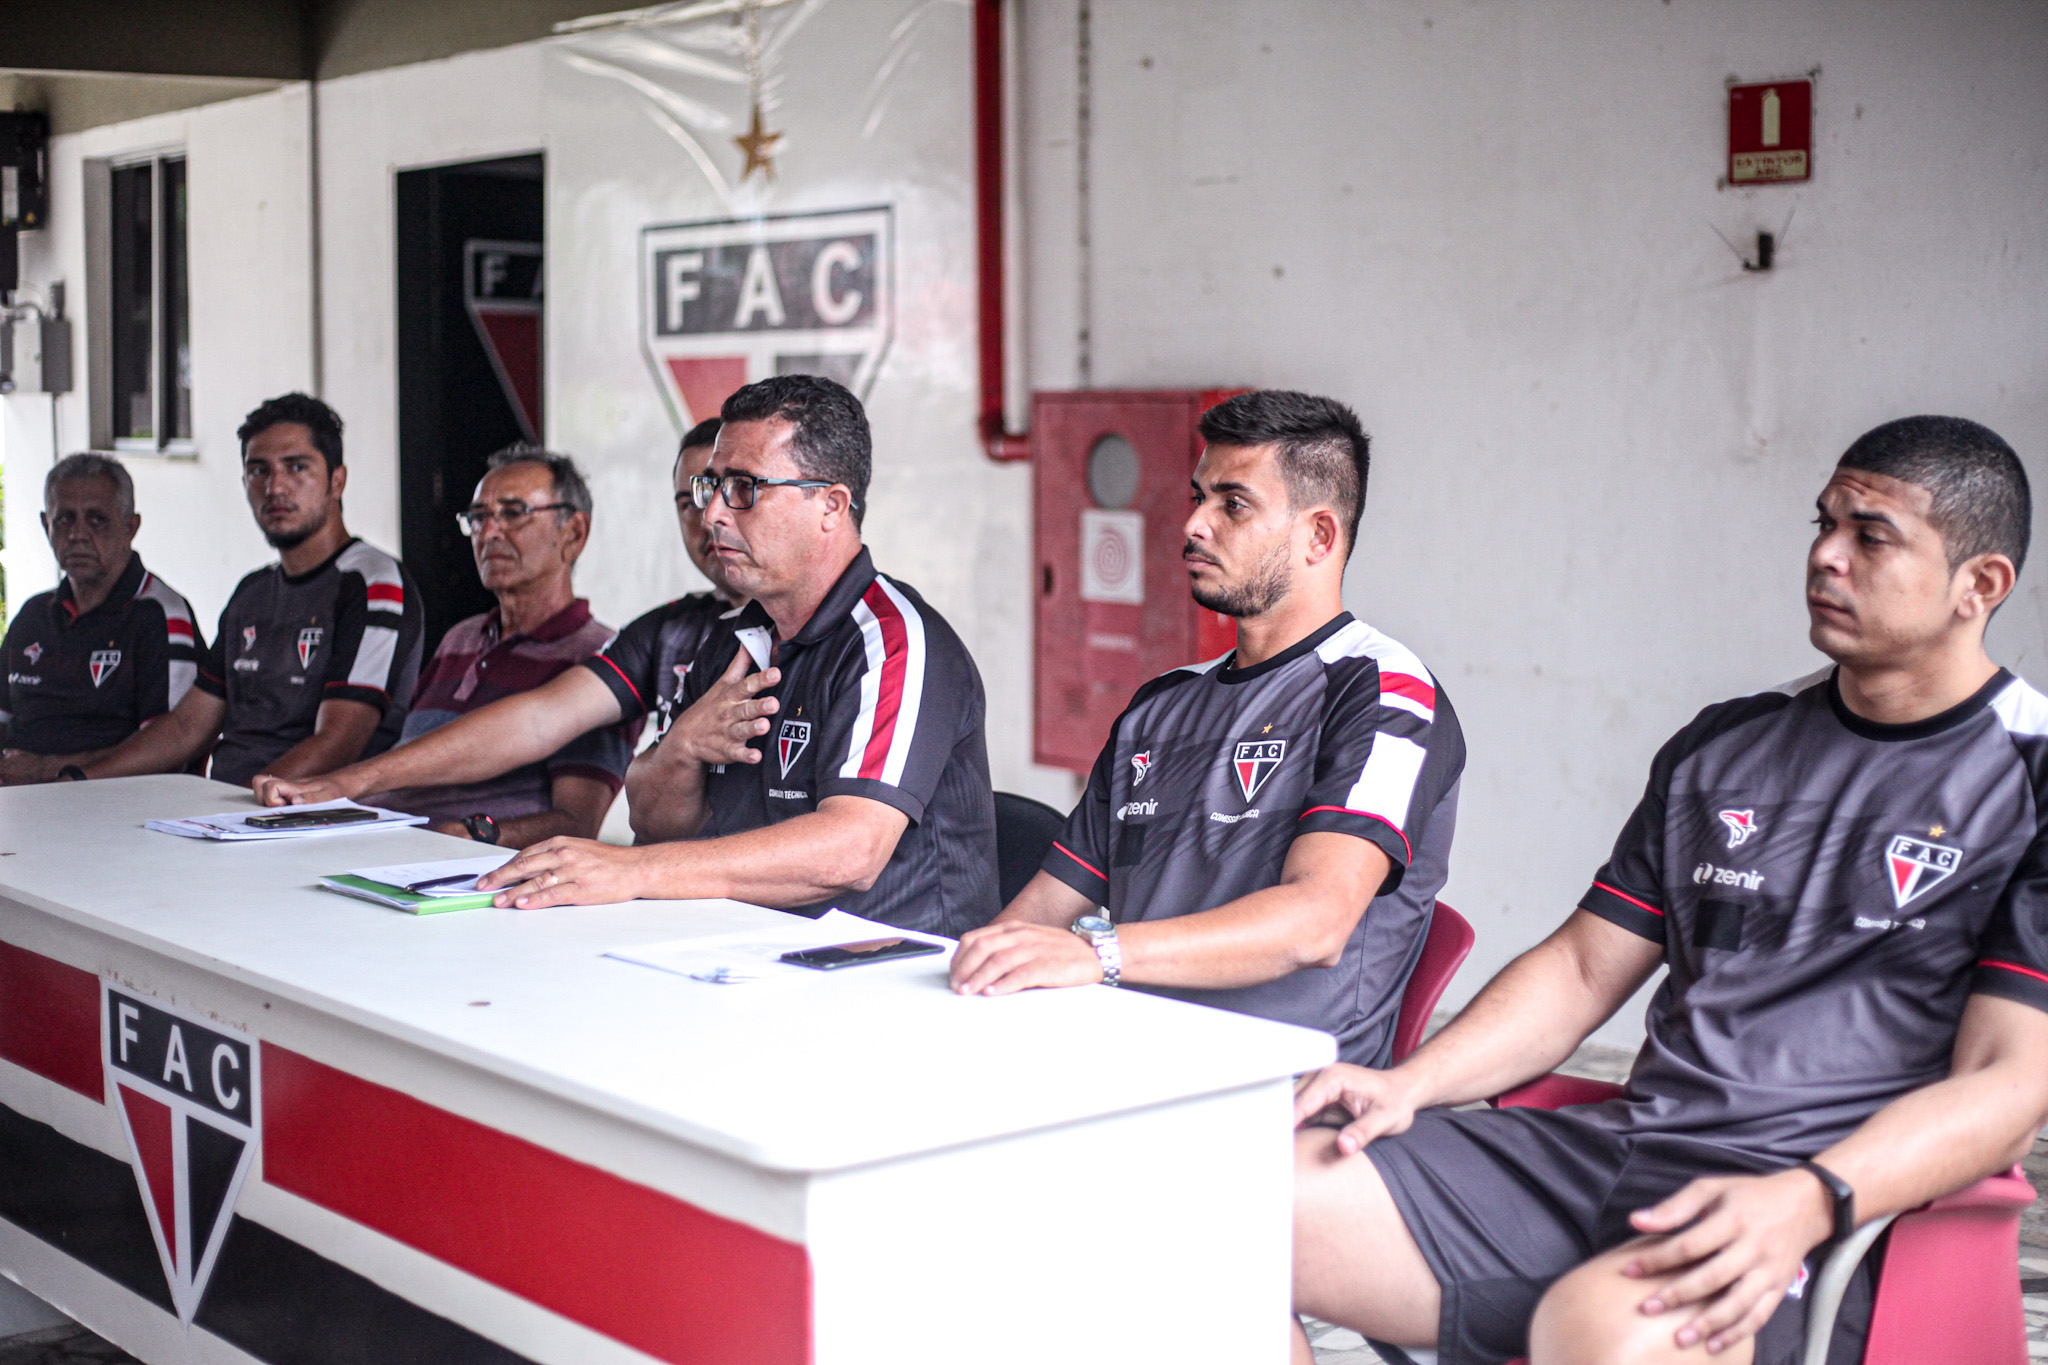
739	489
511	515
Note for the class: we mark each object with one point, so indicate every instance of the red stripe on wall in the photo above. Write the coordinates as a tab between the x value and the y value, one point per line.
640	1266
50	1020
889	696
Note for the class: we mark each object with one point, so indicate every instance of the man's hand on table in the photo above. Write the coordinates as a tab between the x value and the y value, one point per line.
304	791
565	871
19	768
1375	1103
1000	959
1746	1237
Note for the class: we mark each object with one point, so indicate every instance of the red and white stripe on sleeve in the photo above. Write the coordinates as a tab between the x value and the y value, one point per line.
1385	786
181	635
891	688
384	587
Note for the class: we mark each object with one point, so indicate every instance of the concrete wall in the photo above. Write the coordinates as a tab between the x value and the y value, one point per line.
1493	230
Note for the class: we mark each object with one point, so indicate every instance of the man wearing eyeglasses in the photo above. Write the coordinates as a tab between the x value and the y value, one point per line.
832	751
317	654
527	727
527	526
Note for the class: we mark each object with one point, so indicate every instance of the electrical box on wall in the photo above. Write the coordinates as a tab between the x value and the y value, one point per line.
1110	478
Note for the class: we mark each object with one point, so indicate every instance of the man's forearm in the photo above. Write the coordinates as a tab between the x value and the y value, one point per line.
799	861
1254	939
665	796
510	733
1528	1019
164	745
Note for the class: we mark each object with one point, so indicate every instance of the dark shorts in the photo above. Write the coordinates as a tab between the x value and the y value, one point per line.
1503	1202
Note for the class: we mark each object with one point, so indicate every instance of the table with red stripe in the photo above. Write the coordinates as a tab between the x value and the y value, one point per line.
242	1119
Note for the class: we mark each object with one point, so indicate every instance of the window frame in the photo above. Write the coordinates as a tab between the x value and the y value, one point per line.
102	303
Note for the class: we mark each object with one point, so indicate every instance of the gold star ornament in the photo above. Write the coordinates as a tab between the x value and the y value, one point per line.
759	145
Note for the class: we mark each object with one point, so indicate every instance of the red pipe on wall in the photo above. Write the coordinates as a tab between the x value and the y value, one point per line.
996	438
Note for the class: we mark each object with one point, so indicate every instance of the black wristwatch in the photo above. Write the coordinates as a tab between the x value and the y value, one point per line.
482	828
71	772
1840	1192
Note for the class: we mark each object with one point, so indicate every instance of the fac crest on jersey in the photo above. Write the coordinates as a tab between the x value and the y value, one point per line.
1913	867
1254	761
309	640
103	662
791	741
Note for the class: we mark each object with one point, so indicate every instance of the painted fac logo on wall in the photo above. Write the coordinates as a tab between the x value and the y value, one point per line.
186	1093
725	303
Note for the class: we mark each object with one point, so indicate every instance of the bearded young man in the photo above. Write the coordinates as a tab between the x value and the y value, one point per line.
1848	880
317	655
1267	831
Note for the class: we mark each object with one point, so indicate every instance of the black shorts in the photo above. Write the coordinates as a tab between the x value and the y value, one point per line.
1503	1202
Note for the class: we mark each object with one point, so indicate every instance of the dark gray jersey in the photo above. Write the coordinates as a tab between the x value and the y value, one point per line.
1211	773
349	630
1829	893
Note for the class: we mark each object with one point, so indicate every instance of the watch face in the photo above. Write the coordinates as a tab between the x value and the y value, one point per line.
1093	924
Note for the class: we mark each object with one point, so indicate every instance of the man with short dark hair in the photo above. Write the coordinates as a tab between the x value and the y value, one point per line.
109	651
1267	831
1847	878
527	524
651	656
872	793
317	655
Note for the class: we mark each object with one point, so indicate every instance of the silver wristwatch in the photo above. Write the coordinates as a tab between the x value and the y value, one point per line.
1101	936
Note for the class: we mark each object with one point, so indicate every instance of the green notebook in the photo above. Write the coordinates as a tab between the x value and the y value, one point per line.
398	898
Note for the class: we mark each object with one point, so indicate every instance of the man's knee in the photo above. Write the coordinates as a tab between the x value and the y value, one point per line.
1593	1316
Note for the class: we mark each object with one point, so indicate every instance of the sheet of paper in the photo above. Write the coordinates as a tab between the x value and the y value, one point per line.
233	826
750	955
465	870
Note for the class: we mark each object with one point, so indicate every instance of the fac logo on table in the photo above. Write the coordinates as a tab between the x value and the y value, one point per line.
185	1090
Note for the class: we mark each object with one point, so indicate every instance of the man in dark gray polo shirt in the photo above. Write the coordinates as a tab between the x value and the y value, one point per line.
1847	878
316	656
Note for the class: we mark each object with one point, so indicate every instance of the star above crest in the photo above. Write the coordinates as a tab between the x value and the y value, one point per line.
759	145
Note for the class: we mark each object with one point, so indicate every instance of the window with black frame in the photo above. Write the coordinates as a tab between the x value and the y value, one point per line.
148	403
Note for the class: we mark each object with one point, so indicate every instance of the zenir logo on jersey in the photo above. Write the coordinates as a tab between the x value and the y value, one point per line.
791	741
1141	764
248	638
1254	762
1741	824
186	1092
1913	867
34	652
309	640
103	662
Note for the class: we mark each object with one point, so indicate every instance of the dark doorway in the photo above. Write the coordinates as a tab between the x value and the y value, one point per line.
469	362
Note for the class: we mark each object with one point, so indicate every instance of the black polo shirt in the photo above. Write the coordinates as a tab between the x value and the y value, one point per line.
879	699
77	683
652	655
349	630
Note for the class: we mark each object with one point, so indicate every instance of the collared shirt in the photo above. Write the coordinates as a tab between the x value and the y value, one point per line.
880	699
1213	771
1828	893
349	630
478	664
652	655
76	683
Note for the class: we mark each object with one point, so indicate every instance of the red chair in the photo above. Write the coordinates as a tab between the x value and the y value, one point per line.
1950	1287
1444	950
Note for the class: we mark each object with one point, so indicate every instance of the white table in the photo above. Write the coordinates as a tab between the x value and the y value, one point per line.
476	1139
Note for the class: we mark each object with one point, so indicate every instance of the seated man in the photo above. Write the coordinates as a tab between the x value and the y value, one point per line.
1849	1028
105	654
527	525
653	654
875	796
317	654
1268	830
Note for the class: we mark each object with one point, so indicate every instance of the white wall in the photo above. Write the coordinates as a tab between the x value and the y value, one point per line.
1597	440
251	327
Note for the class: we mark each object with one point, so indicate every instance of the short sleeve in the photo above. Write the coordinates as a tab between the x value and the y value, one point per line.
372	619
2012	957
1080	854
902	695
152	668
212	676
1390	749
626	665
1629	889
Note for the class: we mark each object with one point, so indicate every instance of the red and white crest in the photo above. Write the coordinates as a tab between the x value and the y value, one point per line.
1141	764
1741	824
790	742
309	640
103	662
725	303
1913	867
186	1092
501	291
1254	761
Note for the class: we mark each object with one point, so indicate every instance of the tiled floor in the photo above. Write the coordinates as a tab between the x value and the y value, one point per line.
1333	1345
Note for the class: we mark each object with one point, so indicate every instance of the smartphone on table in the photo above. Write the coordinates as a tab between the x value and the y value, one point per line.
310	819
853	954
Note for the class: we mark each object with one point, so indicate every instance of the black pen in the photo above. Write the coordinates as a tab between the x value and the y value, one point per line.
444	881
